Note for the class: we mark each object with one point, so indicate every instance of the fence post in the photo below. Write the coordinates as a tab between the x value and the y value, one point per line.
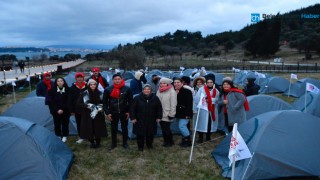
315	66
298	66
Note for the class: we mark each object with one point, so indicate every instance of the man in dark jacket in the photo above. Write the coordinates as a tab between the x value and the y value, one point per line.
44	85
76	89
251	88
102	82
117	99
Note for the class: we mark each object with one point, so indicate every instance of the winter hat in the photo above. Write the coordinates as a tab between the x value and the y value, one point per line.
165	80
210	77
91	81
202	79
147	85
95	69
46	74
79	74
138	75
227	78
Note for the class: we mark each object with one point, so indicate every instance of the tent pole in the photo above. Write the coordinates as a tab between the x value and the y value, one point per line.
194	135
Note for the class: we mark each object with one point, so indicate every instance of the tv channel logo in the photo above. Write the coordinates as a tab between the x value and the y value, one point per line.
255	17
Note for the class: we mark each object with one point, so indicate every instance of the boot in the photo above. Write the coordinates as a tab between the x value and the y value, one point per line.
208	136
200	140
186	142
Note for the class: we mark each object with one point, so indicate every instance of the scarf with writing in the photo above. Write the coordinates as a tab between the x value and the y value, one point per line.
209	98
116	90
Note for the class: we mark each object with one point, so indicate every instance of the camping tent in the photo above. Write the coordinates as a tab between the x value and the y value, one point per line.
34	110
275	85
282	143
30	151
299	88
311	103
260	104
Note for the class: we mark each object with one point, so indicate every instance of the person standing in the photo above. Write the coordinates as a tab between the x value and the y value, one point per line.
76	89
102	82
117	99
168	99
251	88
45	85
233	104
136	83
57	100
183	110
93	125
21	66
15	66
145	112
208	95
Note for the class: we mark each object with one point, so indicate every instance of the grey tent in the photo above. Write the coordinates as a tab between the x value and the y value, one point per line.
260	104
70	78
275	85
34	110
30	151
309	105
283	144
298	89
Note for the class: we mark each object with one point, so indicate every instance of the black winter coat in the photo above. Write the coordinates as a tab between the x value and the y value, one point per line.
73	98
184	104
121	105
145	110
91	128
56	100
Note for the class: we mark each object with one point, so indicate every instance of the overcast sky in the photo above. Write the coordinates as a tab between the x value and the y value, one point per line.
110	22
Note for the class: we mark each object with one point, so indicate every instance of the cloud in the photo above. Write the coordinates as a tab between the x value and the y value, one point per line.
40	23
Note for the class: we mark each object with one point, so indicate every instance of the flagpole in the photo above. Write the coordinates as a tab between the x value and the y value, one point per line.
305	102
289	87
234	134
194	135
245	172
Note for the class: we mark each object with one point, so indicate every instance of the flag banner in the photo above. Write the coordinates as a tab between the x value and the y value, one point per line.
238	147
203	103
233	69
294	76
28	78
312	88
182	68
100	88
13	83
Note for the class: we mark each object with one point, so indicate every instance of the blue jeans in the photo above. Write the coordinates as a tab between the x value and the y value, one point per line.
183	127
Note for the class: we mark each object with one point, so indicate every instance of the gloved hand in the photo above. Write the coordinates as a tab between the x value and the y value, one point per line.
94	113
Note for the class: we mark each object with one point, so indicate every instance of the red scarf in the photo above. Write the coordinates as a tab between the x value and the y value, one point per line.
47	83
209	99
116	90
246	103
165	88
80	85
98	79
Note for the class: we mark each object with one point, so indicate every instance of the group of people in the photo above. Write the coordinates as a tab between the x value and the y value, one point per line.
146	103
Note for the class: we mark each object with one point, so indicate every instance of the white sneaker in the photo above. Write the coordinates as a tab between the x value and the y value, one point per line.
64	139
79	141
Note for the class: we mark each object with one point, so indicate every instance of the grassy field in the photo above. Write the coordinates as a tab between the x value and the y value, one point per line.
157	163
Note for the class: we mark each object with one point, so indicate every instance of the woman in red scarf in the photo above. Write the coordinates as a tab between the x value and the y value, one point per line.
233	104
206	99
45	85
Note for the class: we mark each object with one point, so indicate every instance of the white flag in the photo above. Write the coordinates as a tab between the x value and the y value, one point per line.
312	88
13	83
294	76
238	147
203	103
100	88
28	78
182	68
